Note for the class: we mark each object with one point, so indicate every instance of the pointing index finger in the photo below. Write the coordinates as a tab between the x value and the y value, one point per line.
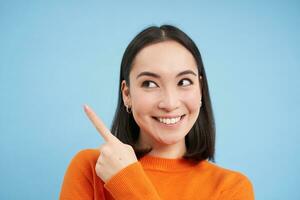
100	126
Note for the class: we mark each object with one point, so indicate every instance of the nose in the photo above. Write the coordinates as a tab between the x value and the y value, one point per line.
169	101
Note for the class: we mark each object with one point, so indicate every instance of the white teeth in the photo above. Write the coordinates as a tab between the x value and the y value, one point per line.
169	120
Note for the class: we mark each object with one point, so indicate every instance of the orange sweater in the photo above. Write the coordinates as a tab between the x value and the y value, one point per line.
153	178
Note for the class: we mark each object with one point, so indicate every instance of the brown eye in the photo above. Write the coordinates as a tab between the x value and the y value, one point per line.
149	84
185	82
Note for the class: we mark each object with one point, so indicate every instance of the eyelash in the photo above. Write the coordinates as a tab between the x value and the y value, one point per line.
146	83
186	79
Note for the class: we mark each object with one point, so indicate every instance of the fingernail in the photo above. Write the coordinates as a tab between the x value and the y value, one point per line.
86	107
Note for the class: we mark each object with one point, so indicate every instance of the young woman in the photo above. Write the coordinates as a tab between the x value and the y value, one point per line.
163	134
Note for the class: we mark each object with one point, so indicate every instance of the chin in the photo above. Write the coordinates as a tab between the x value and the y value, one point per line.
170	141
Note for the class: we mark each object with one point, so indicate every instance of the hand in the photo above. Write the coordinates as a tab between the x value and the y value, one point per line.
114	155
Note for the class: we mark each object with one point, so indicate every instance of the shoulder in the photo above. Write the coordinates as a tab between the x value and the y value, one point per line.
223	173
85	159
87	155
80	179
228	180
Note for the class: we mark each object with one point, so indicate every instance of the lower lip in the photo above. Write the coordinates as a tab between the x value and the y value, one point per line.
171	125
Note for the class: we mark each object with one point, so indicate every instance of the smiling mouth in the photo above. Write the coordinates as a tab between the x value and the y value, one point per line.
169	121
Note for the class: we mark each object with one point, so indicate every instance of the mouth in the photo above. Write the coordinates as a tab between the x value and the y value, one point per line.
169	121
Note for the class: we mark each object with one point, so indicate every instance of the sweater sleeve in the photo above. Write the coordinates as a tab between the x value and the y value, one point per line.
79	181
132	183
241	190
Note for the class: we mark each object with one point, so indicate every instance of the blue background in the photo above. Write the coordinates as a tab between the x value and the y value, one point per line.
57	55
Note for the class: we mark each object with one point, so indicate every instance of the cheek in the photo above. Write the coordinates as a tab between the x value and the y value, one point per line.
192	100
142	102
143	105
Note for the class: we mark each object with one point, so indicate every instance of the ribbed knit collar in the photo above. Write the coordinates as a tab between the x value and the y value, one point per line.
166	164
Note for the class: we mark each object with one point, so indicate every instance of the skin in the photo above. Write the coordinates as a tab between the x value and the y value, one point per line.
114	155
168	93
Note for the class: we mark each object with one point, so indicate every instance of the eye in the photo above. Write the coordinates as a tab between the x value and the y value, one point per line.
149	84
185	82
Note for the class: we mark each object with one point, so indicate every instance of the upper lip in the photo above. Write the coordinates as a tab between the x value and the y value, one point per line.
169	116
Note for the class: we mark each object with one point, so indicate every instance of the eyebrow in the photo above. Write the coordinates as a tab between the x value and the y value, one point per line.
146	73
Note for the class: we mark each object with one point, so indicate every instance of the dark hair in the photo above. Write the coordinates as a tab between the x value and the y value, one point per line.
200	141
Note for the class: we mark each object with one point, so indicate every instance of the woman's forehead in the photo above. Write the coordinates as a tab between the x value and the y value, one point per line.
164	71
164	57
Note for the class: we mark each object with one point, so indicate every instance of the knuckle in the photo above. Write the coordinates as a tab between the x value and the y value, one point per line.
129	147
100	160
105	150
98	169
97	166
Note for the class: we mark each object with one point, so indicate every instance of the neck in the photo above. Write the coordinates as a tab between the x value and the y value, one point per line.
176	150
166	152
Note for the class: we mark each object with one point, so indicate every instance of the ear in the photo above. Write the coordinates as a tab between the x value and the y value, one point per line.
125	93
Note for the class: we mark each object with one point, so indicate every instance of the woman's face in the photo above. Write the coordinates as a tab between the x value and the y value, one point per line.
164	94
